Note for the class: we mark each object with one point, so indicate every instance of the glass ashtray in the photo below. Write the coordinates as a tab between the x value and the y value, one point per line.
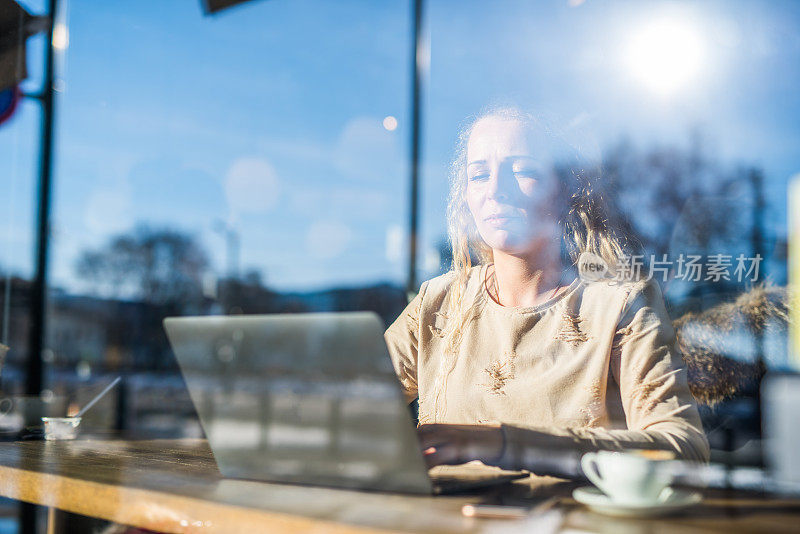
57	428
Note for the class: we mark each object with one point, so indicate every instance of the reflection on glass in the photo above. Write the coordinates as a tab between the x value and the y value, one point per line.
233	165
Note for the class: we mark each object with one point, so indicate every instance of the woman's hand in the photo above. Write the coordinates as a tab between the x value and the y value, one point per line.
458	444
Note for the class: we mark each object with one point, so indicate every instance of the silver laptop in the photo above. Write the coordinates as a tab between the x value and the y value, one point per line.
309	399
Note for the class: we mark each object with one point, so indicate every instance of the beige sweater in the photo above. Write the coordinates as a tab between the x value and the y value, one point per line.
592	368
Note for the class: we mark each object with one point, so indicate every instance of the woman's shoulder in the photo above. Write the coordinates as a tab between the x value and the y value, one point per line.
436	290
625	288
626	296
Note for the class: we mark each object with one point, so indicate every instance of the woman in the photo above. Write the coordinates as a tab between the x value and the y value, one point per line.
511	363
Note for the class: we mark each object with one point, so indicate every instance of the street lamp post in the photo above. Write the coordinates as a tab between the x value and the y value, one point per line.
232	247
416	77
34	379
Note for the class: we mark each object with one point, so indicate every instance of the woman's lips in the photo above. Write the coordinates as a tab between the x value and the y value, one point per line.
501	219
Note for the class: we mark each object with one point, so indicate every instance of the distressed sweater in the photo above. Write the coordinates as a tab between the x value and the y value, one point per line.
592	368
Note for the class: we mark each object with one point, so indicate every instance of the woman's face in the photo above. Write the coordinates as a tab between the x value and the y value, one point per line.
511	189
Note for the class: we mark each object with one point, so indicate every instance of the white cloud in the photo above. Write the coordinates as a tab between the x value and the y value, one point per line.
336	201
366	151
395	243
327	239
432	260
251	186
109	211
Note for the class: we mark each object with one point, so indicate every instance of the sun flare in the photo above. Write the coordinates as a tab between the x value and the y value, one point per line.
666	55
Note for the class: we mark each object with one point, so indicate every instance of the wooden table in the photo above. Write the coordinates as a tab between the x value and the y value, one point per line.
174	486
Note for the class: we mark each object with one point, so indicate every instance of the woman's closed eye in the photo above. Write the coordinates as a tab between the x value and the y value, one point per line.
527	173
479	176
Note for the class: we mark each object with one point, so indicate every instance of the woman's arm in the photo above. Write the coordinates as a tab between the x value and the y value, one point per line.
652	377
402	339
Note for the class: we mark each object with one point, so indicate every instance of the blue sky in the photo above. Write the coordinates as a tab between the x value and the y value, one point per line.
269	117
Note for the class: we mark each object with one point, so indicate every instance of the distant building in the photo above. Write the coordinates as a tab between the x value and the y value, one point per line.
110	334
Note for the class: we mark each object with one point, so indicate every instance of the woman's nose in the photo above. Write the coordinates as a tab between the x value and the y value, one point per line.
500	184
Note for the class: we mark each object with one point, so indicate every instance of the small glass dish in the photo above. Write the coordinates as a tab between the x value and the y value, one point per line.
60	428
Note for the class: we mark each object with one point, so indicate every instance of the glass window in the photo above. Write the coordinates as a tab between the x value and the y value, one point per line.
253	161
690	113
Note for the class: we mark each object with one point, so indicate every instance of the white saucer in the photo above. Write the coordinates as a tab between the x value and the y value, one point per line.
671	501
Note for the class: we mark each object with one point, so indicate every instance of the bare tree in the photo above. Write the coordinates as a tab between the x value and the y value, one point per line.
159	266
679	197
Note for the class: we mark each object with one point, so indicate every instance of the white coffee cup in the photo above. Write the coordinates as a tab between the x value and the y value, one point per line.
635	477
